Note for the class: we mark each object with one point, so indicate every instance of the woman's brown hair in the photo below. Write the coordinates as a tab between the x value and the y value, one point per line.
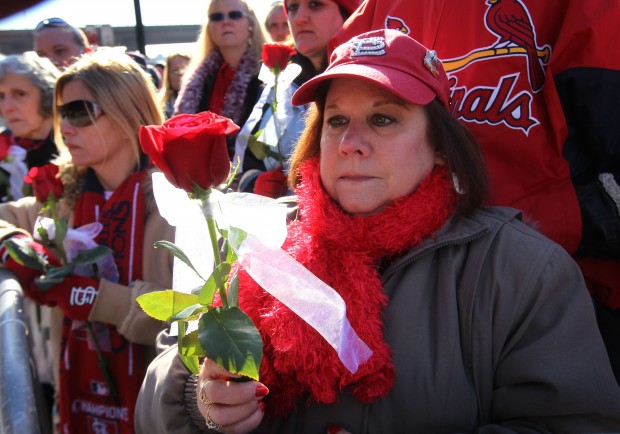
455	143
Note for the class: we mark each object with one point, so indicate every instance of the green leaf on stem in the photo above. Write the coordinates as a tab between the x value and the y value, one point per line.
22	252
233	291
54	276
45	238
176	251
91	256
187	350
257	147
236	237
216	280
190	313
163	305
231	340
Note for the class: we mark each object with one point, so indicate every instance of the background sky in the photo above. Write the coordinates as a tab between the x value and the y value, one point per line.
119	13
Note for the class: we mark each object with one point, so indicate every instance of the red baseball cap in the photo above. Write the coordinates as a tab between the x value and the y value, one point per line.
347	5
391	60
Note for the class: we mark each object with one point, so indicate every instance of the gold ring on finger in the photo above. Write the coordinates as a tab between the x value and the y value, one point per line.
203	394
210	423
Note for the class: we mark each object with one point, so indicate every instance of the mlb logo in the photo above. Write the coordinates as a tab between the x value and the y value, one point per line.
99	388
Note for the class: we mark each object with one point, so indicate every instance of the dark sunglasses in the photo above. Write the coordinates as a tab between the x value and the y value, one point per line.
51	22
232	15
80	113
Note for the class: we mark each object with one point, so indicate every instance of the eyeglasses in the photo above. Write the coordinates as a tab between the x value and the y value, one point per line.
51	22
232	15
80	113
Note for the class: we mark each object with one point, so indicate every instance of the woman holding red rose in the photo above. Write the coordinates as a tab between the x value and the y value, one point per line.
102	100
223	77
312	24
476	322
26	108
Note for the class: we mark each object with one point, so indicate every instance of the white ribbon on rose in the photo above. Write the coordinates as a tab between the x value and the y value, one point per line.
16	167
78	239
260	253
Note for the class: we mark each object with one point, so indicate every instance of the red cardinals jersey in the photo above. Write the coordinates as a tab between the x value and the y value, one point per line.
535	82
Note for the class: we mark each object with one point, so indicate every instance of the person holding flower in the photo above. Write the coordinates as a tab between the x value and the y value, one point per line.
223	76
476	322
103	341
26	108
265	141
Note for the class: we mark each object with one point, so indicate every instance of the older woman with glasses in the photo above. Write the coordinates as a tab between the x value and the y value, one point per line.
223	77
59	41
106	182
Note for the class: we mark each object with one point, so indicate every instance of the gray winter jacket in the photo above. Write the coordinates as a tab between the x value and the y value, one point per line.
492	331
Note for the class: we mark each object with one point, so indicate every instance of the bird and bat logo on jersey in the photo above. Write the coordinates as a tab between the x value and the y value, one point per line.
500	102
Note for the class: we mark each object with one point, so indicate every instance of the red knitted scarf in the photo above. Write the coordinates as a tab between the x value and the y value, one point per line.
344	251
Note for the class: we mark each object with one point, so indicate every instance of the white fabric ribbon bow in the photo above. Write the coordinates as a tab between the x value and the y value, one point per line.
16	169
78	239
260	253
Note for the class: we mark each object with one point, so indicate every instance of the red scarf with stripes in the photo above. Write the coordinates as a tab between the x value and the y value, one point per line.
85	402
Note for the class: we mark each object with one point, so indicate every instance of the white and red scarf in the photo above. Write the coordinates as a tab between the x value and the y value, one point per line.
345	252
85	401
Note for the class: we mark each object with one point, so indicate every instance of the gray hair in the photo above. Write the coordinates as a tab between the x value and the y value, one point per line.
40	71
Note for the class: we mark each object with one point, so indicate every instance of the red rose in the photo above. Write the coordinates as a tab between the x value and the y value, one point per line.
190	149
45	182
276	56
5	143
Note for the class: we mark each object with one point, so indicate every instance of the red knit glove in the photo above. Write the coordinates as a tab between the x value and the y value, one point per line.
25	274
271	184
75	295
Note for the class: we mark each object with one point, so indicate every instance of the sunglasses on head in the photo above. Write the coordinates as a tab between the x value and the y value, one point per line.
232	15
80	113
51	22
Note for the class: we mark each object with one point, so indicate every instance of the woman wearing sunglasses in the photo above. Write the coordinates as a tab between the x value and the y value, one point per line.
102	100
223	77
312	23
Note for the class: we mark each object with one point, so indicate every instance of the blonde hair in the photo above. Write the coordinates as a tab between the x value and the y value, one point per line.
167	92
125	92
205	44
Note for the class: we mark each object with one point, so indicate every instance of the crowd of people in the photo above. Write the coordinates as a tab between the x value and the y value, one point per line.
458	192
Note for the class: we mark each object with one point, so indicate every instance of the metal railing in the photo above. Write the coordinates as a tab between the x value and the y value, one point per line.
19	393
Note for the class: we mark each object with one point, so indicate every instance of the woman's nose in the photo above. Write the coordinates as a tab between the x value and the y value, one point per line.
66	129
354	142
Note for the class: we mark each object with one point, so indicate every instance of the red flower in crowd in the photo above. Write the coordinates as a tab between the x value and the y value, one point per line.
190	149
276	56
5	143
45	182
